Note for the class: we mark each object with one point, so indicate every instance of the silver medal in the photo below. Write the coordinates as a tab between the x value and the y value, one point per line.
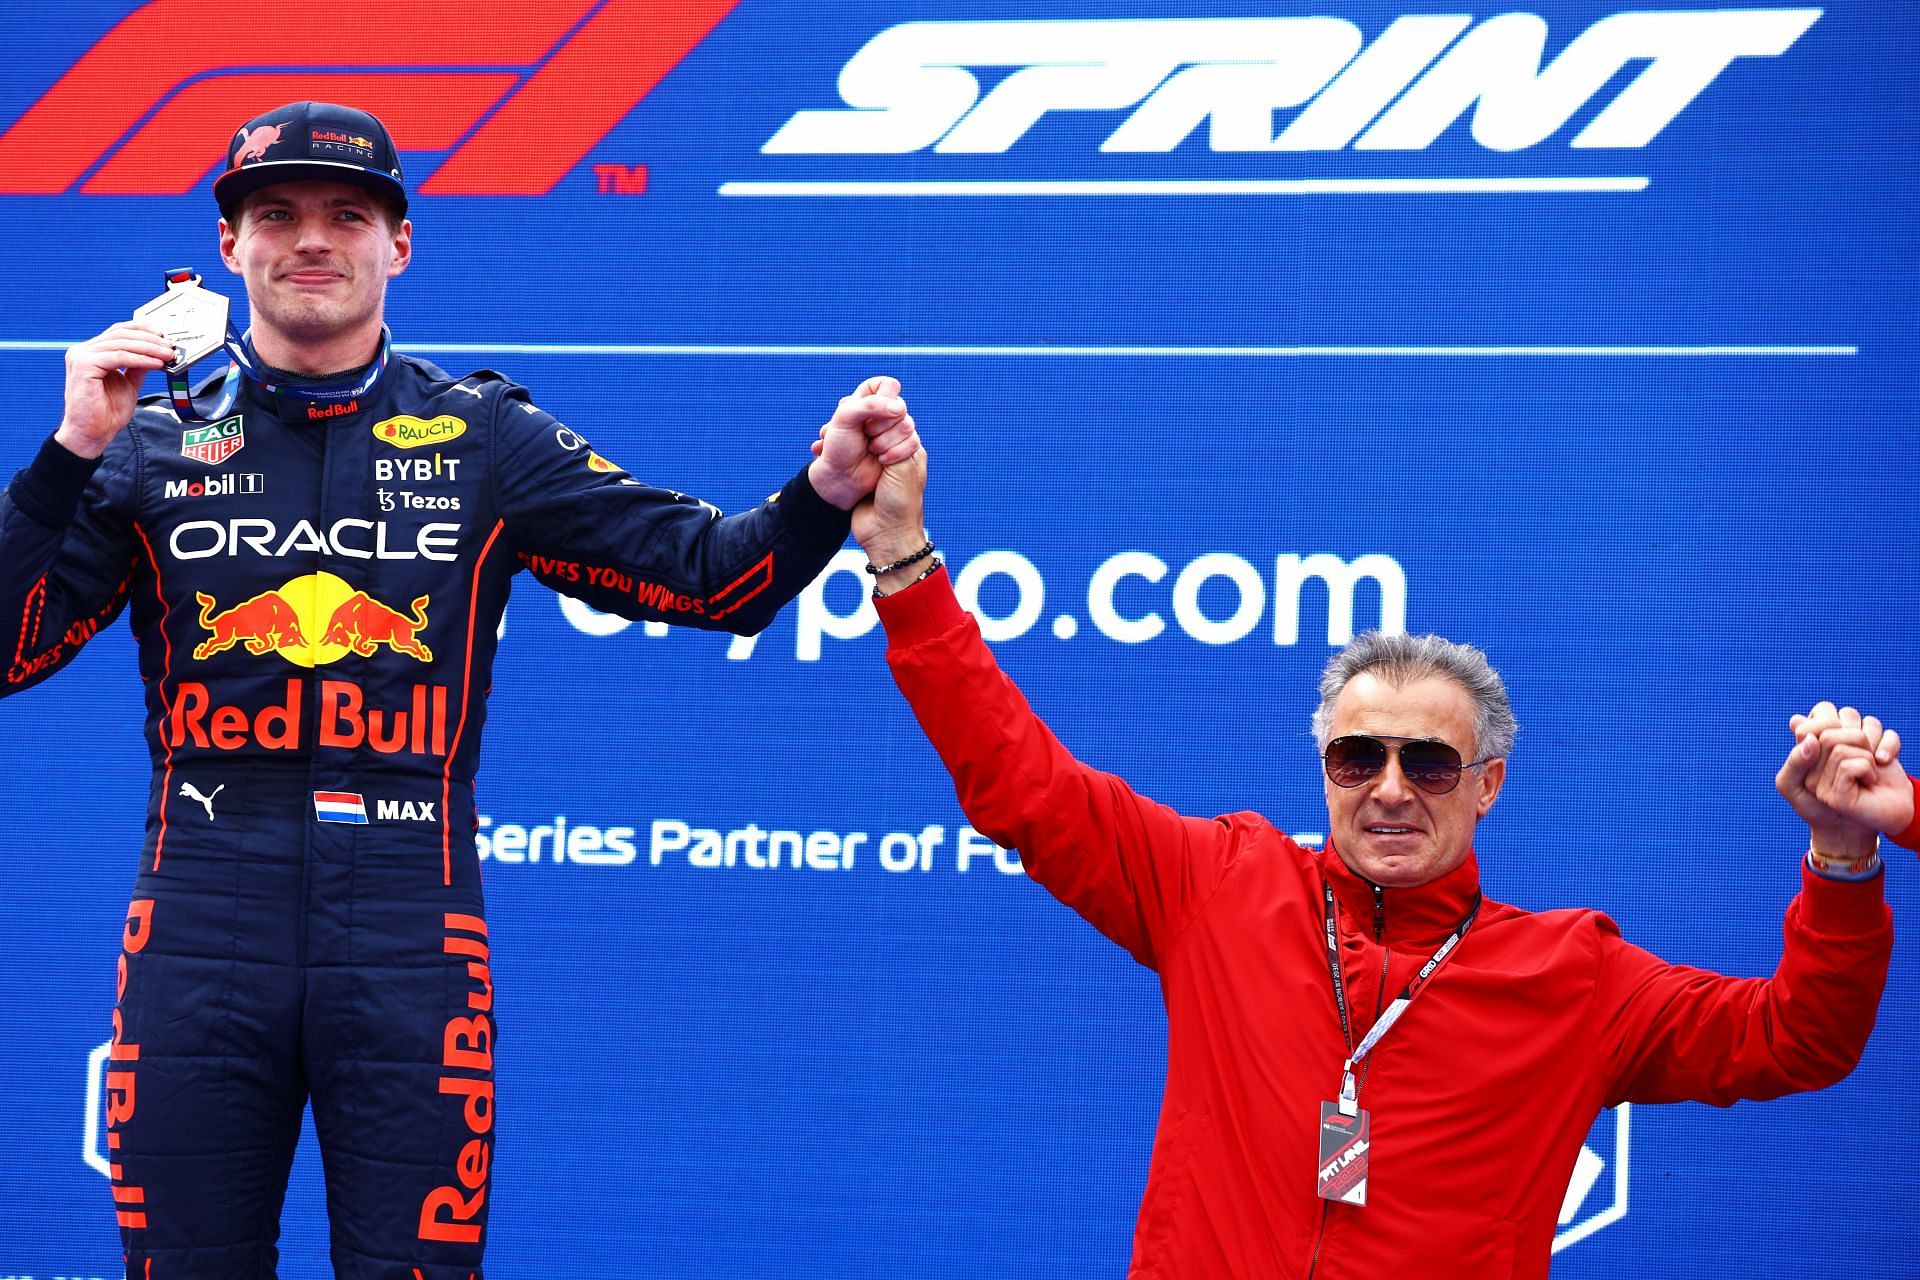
193	318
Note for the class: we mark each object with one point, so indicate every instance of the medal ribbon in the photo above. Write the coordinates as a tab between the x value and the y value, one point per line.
1349	1094
240	347
245	360
182	395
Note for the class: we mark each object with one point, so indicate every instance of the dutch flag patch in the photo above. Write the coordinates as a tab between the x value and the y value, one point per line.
339	806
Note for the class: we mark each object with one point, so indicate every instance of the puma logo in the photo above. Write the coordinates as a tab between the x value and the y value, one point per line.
191	792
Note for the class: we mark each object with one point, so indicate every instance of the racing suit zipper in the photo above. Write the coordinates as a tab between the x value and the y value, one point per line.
1379	1002
326	514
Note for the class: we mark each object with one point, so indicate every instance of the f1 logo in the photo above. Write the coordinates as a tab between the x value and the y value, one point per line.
148	108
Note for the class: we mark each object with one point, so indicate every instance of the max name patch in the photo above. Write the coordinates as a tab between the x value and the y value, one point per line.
409	432
351	807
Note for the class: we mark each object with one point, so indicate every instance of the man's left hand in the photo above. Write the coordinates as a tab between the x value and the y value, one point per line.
869	431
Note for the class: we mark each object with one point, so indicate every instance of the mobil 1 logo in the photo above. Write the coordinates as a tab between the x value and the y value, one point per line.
218	486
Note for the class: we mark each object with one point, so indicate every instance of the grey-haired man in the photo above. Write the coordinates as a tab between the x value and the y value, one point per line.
1372	1069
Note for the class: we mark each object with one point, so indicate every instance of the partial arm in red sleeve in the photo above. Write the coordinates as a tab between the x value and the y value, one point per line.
1135	869
1675	1033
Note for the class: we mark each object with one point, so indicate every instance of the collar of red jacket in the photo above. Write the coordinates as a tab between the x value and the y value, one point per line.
1420	915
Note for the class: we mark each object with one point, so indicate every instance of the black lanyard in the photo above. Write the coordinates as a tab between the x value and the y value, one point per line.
1349	1095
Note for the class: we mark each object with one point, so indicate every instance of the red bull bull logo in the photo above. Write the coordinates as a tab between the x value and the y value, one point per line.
313	620
253	144
265	623
363	624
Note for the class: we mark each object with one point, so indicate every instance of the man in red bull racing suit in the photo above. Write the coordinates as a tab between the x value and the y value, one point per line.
316	572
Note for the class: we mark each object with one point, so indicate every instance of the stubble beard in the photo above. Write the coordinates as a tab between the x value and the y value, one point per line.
314	318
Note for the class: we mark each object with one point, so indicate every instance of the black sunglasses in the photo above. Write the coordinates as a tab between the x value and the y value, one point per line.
1429	763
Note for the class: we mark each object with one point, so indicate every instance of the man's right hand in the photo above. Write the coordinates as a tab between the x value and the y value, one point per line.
103	384
1849	767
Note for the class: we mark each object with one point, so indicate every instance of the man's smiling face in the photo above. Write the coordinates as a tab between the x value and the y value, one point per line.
316	257
1386	829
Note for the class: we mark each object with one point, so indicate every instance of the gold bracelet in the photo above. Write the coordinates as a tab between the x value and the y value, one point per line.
1860	868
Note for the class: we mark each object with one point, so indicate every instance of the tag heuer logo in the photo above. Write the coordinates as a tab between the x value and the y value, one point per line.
213	444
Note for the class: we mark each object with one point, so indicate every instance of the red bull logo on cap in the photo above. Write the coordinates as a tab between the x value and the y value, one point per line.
335	141
313	620
253	145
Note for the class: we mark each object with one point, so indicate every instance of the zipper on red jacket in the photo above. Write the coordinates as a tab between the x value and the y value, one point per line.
1379	1002
1319	1239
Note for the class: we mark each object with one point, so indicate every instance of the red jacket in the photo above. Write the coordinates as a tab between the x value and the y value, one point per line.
1480	1097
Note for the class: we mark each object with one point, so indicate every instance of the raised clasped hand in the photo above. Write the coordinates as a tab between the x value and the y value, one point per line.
869	431
1844	772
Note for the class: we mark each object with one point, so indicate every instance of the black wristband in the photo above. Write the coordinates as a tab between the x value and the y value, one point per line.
915	558
925	573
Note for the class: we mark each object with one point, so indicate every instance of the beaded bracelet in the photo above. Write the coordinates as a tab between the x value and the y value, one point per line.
925	573
915	558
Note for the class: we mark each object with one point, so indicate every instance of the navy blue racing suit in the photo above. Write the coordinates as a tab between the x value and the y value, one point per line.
316	591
